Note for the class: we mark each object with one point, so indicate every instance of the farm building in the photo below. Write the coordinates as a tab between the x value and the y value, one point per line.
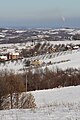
3	57
36	62
13	55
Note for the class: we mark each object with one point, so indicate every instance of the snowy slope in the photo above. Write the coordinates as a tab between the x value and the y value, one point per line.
57	96
72	56
55	104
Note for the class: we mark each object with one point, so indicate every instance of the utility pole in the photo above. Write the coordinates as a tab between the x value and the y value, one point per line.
26	82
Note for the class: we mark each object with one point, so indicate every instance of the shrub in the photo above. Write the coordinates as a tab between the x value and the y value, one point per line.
28	102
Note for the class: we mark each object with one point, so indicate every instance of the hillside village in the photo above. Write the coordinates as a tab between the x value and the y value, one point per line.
32	47
33	53
39	48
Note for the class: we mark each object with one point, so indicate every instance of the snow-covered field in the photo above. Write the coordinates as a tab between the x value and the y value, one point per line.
73	58
52	104
65	42
24	45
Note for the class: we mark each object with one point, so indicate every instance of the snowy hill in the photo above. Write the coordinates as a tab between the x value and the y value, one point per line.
57	96
72	59
72	56
24	35
52	104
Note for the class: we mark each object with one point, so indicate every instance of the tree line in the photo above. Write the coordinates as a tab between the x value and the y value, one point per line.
48	79
37	79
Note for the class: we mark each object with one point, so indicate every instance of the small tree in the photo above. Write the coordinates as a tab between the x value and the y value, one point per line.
14	85
28	101
2	91
19	87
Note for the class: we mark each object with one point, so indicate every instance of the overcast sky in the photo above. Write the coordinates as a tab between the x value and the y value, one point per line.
40	13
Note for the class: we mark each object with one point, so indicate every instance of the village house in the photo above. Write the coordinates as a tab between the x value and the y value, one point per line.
3	57
14	55
36	62
9	56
